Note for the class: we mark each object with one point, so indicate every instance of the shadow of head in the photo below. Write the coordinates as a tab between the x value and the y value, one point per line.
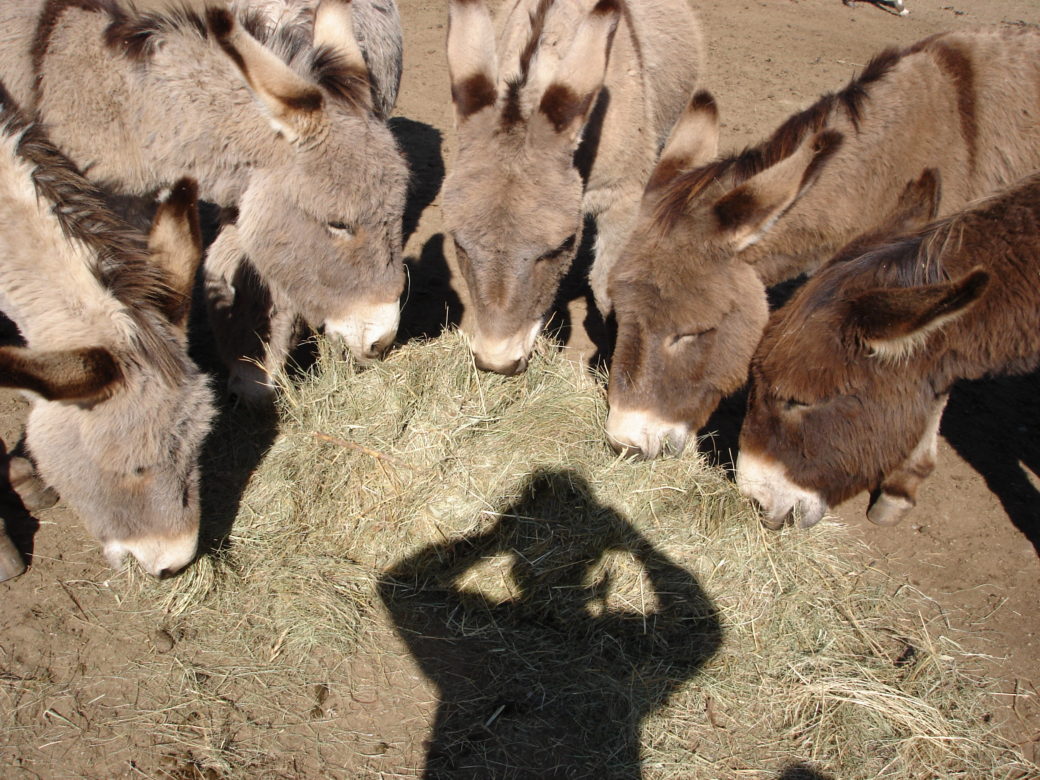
421	145
551	632
431	303
802	771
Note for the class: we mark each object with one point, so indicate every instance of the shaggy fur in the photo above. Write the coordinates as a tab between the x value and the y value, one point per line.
689	292
119	411
852	374
560	114
320	197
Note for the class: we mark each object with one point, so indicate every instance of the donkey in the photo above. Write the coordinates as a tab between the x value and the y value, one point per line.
849	383
34	495
284	135
559	115
690	289
119	410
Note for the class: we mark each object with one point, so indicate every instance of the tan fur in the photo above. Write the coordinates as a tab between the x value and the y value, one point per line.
711	239
119	410
515	197
319	203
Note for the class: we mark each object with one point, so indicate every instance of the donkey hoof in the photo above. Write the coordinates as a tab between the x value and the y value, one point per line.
11	562
888	509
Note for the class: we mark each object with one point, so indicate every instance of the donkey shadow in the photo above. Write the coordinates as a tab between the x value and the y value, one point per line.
431	304
548	680
994	424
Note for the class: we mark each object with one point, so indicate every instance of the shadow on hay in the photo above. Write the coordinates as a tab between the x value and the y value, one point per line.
802	772
549	681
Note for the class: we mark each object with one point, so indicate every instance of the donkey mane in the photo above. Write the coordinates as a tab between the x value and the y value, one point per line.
123	265
912	260
137	35
512	115
784	140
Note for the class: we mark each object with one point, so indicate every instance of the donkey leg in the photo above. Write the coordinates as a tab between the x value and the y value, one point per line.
240	308
11	562
34	493
898	493
613	227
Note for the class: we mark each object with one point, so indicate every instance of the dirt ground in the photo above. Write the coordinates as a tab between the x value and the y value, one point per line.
973	543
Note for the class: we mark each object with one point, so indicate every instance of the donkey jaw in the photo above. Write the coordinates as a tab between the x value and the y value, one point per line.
368	331
507	356
643	433
766	483
160	556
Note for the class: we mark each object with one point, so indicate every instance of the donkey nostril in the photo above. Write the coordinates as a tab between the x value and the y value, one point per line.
165	574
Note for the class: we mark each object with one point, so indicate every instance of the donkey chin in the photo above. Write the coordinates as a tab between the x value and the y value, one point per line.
508	355
643	433
368	331
160	556
780	500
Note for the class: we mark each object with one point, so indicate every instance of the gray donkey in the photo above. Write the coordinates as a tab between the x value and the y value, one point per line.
283	131
560	115
119	410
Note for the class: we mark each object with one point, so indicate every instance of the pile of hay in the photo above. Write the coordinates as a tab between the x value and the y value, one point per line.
572	613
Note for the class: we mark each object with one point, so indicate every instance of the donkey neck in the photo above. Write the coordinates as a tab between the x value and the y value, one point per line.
138	124
1001	333
48	285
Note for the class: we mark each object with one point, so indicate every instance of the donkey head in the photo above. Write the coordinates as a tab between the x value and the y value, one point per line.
689	309
122	412
324	226
513	202
843	391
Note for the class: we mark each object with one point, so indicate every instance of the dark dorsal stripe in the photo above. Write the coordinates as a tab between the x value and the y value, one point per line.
782	143
137	36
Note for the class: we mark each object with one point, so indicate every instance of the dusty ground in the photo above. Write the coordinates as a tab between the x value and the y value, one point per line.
972	544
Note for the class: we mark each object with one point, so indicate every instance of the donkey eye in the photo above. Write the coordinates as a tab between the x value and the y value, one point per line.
341	228
561	250
793	405
689	338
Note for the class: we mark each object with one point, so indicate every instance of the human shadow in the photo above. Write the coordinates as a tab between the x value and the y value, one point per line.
994	424
550	678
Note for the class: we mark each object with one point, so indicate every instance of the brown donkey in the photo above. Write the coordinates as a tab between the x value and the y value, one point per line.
849	383
284	132
689	291
559	115
119	410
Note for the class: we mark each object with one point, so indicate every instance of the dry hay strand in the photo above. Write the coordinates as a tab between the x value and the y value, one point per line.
572	613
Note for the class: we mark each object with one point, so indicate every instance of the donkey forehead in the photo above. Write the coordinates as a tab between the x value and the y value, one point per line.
522	182
149	423
364	173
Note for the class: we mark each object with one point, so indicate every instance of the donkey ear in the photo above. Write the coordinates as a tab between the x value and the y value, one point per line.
894	321
747	212
918	203
86	375
175	244
294	104
340	62
573	89
472	62
694	141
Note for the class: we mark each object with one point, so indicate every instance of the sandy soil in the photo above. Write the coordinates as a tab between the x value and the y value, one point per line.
972	544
